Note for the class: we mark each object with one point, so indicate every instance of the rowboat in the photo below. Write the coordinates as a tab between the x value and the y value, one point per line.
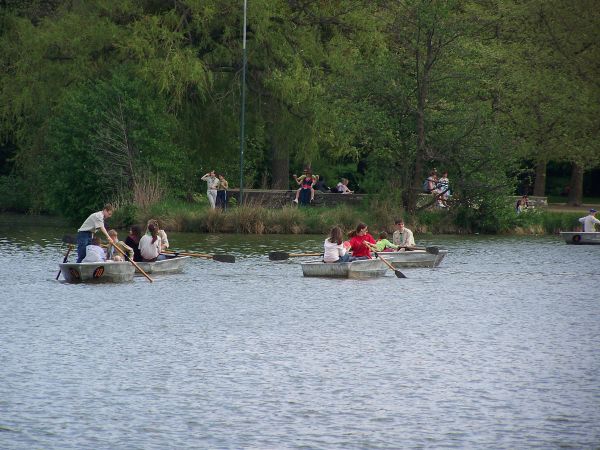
97	272
173	264
360	269
581	237
415	258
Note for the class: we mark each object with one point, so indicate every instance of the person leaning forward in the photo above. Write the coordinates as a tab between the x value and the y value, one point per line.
91	225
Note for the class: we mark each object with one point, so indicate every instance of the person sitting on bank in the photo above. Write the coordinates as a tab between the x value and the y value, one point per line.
320	185
94	252
89	227
164	240
589	222
114	254
150	245
383	244
403	237
522	204
334	249
342	187
306	190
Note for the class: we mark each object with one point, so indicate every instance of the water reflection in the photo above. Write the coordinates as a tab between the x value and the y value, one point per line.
497	348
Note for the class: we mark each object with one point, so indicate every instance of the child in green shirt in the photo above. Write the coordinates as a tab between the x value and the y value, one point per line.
383	245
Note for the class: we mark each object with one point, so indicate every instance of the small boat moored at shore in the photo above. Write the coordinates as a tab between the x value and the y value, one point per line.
415	258
97	272
172	264
581	237
360	269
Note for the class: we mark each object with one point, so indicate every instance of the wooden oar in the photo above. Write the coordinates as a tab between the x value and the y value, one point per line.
65	259
221	258
387	263
280	256
69	239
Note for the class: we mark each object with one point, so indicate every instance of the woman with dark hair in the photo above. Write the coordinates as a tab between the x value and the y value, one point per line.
133	241
334	247
361	242
150	244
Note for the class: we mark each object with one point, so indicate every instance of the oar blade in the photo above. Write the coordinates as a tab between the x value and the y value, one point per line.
433	250
278	256
224	258
399	274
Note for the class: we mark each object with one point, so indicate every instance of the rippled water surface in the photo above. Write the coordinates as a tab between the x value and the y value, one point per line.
497	348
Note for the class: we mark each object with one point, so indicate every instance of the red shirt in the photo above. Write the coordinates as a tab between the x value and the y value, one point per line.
359	248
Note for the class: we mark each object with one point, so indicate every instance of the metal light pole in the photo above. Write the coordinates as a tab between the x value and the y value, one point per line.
242	113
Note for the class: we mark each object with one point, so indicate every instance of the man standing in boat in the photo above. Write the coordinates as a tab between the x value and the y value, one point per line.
90	226
589	221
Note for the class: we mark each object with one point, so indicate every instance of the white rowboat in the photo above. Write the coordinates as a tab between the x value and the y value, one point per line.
414	258
581	237
360	269
173	264
97	272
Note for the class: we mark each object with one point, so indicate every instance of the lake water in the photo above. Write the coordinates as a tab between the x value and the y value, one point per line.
497	348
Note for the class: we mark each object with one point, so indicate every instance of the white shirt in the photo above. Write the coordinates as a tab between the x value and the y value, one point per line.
588	223
148	249
404	239
212	182
93	223
333	251
94	253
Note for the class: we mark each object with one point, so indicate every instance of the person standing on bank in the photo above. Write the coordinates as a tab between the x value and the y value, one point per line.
212	184
222	192
589	221
403	237
89	227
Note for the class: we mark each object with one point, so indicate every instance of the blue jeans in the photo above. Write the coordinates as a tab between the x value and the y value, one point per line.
84	238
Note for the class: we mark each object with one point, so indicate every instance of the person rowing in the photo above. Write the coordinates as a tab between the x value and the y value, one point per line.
361	242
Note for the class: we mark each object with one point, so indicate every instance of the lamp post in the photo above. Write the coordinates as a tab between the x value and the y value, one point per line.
242	113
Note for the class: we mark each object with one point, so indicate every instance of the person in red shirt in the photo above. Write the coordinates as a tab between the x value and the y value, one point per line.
361	242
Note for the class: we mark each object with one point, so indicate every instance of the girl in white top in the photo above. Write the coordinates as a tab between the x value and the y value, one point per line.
334	247
150	244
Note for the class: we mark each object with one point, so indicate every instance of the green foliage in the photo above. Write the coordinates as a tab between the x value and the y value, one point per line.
105	139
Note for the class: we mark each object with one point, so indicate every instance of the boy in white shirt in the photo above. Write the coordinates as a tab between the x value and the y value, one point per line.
89	227
589	221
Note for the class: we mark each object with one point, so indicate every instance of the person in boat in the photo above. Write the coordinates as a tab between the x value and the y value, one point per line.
164	240
361	242
222	192
94	252
133	241
383	244
150	245
403	237
112	253
306	190
212	184
89	227
589	222
335	251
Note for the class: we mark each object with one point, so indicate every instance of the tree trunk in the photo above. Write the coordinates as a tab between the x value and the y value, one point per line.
576	192
539	186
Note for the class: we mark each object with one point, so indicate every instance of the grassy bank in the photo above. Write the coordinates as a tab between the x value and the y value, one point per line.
255	219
